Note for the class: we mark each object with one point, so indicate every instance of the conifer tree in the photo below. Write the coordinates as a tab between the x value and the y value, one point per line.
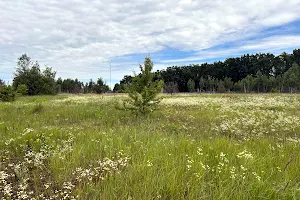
143	90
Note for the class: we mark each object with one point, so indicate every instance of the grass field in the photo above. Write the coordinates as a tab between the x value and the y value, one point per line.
205	146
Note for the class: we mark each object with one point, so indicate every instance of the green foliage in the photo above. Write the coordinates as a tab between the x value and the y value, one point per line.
211	83
259	81
228	83
247	84
292	77
69	85
22	89
7	94
117	88
125	82
143	90
221	87
238	86
191	85
48	81
120	88
36	81
99	87
262	70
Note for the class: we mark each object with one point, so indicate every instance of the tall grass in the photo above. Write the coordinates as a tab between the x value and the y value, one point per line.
194	147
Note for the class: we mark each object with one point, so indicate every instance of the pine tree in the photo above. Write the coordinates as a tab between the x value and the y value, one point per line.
143	90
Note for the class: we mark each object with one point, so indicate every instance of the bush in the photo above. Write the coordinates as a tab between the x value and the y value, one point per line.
7	94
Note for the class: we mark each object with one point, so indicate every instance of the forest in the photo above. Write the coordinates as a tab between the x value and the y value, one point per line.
249	73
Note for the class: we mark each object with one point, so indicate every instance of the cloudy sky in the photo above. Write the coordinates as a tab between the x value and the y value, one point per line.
77	38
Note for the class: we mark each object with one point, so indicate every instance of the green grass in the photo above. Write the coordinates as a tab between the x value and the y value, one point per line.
221	146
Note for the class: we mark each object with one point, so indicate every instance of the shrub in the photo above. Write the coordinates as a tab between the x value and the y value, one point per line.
7	94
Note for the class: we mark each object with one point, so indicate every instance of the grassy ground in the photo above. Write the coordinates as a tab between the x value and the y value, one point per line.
195	147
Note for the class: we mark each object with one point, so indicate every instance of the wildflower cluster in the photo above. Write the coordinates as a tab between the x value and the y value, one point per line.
101	170
205	166
233	102
257	123
90	98
25	164
245	154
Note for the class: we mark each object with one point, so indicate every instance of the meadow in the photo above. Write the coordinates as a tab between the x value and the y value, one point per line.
197	146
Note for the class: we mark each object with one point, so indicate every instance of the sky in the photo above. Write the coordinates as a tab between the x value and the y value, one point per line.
82	39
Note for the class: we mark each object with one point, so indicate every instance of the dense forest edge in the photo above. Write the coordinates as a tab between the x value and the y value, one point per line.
261	73
249	73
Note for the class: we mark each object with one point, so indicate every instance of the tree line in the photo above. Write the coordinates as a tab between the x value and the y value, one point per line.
30	79
261	72
76	86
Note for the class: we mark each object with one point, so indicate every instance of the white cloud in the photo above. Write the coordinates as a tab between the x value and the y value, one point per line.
275	44
75	37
